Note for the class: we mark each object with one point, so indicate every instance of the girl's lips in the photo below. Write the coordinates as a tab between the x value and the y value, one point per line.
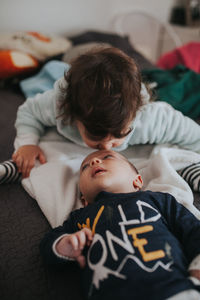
97	171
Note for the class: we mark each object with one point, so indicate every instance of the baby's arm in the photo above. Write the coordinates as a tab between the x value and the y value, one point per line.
71	246
186	228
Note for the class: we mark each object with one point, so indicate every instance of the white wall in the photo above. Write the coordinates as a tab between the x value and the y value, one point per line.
71	16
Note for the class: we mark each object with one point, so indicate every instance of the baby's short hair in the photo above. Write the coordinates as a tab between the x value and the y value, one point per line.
130	163
103	92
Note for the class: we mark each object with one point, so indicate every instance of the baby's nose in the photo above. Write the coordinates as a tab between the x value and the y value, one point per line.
95	160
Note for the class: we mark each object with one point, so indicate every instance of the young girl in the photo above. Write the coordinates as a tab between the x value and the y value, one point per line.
100	103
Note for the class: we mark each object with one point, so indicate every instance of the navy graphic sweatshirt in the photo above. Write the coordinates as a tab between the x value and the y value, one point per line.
143	244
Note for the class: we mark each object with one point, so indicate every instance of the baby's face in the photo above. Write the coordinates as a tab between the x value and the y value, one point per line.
109	171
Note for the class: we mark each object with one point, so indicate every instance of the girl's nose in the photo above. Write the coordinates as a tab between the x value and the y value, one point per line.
105	146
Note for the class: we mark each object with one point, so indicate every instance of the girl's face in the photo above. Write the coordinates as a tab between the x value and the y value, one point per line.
107	143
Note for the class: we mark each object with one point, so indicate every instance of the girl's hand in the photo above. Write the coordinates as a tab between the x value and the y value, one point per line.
73	244
25	158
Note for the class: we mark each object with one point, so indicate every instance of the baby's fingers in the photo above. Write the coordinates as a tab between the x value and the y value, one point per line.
81	239
81	260
74	242
89	235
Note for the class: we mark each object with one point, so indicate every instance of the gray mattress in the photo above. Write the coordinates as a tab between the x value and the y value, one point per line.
22	225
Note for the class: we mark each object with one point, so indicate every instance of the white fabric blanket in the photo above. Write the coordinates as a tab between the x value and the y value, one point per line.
54	185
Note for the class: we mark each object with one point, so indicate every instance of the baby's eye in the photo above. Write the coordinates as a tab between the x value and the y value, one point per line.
84	167
107	156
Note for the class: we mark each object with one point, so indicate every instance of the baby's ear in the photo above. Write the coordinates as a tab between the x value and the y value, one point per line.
138	182
83	201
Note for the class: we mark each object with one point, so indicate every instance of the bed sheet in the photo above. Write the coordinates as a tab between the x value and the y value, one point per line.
54	185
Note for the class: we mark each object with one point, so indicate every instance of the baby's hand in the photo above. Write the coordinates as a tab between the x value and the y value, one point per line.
73	244
195	273
25	158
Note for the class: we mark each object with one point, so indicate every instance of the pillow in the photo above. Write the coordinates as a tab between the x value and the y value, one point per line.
15	63
75	51
116	40
34	43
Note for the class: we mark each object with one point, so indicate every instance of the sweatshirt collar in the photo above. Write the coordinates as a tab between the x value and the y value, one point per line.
103	195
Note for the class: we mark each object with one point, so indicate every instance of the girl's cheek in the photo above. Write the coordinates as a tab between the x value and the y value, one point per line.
118	143
91	145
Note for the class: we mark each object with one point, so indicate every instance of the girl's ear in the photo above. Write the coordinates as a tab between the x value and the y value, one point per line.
83	201
138	182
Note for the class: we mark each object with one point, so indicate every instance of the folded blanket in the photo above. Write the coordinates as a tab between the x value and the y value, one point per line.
54	185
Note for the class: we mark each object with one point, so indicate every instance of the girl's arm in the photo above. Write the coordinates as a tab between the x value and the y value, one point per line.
37	113
159	123
32	117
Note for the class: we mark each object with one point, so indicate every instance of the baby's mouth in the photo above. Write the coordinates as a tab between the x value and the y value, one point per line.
97	171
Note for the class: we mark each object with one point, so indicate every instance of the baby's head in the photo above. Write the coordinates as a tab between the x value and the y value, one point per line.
109	171
103	96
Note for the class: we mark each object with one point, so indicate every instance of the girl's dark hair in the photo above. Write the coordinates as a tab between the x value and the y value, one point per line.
103	92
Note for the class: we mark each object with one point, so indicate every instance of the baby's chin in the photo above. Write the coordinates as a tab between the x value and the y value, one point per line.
90	197
103	184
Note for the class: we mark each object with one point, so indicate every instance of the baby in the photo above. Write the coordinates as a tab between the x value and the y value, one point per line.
131	244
